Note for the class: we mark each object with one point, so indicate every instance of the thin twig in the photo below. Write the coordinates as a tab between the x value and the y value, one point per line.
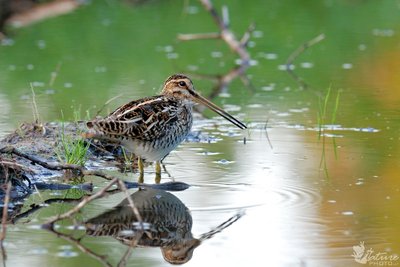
47	165
135	211
35	207
246	36
236	45
225	16
198	36
125	257
222	226
15	166
54	74
106	103
297	53
4	221
266	134
82	204
83	248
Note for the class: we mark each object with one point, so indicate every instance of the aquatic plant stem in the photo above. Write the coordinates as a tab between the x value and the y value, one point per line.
334	121
322	120
35	110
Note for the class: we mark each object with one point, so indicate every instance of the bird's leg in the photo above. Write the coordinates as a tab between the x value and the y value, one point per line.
158	172
141	171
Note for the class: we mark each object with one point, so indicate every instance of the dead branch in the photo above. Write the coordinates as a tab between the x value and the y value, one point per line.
81	247
55	166
222	226
135	211
125	257
225	33
42	11
171	186
49	224
236	45
297	53
15	166
222	82
246	36
35	207
83	203
140	220
47	165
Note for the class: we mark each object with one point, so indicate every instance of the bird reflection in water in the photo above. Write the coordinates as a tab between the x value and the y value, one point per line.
166	223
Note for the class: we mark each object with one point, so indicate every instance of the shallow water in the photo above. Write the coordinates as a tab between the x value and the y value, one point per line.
303	205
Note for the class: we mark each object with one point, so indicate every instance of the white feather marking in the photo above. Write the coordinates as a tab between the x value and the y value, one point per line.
149	119
136	119
141	104
150	126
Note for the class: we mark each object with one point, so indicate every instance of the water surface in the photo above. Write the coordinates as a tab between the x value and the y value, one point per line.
297	212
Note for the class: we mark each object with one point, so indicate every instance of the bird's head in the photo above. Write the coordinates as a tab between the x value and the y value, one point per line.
180	86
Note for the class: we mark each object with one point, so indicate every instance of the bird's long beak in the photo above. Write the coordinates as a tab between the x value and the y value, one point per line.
198	98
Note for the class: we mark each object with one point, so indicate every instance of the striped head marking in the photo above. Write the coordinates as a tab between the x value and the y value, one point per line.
179	86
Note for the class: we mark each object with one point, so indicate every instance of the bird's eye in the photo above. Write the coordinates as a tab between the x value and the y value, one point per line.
182	84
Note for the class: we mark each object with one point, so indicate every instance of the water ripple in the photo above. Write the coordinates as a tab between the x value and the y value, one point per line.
295	196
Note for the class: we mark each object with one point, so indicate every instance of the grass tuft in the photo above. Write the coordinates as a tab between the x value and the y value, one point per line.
322	120
72	150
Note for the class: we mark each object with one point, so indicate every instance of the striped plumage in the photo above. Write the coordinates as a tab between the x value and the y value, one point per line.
148	127
152	127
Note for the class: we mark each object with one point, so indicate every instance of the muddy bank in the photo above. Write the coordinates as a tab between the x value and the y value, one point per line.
30	159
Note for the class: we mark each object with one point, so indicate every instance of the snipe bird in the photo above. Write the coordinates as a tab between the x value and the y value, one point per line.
152	127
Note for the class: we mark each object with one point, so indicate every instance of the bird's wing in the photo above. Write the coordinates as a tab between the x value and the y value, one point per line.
145	119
